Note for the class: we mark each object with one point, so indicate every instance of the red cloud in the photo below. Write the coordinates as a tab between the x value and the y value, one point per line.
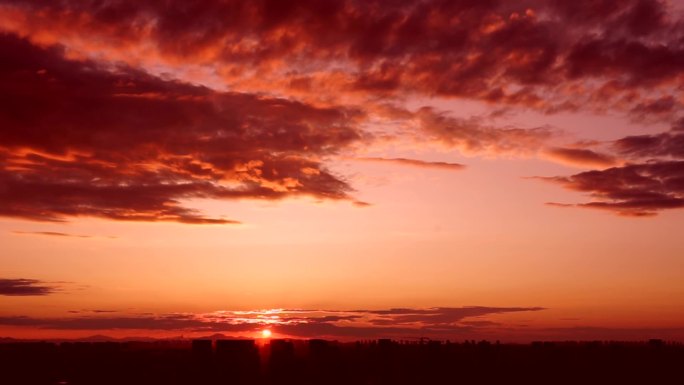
77	138
83	134
531	53
416	163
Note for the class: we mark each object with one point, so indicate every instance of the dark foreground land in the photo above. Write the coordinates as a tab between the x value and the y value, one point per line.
208	362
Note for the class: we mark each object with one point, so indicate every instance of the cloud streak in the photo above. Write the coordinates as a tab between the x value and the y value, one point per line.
51	234
415	163
297	323
580	156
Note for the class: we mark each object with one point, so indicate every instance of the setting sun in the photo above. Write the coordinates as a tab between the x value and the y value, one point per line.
341	191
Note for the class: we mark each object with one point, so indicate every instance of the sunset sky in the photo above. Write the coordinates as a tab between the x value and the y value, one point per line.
347	169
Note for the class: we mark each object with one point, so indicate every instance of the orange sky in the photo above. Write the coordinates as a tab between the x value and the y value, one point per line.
507	171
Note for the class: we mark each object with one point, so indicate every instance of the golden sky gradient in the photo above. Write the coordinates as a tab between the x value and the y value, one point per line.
363	169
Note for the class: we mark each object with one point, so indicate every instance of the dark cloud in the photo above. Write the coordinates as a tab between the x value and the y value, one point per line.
79	139
631	190
667	144
652	181
440	315
25	287
466	329
638	63
335	331
168	322
96	311
415	163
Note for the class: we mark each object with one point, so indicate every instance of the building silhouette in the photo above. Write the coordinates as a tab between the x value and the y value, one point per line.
316	362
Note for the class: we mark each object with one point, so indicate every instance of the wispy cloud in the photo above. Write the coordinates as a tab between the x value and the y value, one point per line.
472	136
51	234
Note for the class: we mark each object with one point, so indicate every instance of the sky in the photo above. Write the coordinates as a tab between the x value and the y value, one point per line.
348	169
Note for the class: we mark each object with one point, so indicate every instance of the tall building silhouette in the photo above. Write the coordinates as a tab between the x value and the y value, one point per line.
237	361
202	348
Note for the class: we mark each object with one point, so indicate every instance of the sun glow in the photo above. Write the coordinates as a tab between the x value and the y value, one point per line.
266	333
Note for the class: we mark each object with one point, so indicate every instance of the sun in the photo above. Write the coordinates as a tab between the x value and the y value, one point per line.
266	333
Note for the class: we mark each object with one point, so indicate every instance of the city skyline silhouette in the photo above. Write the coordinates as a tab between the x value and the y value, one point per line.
370	191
